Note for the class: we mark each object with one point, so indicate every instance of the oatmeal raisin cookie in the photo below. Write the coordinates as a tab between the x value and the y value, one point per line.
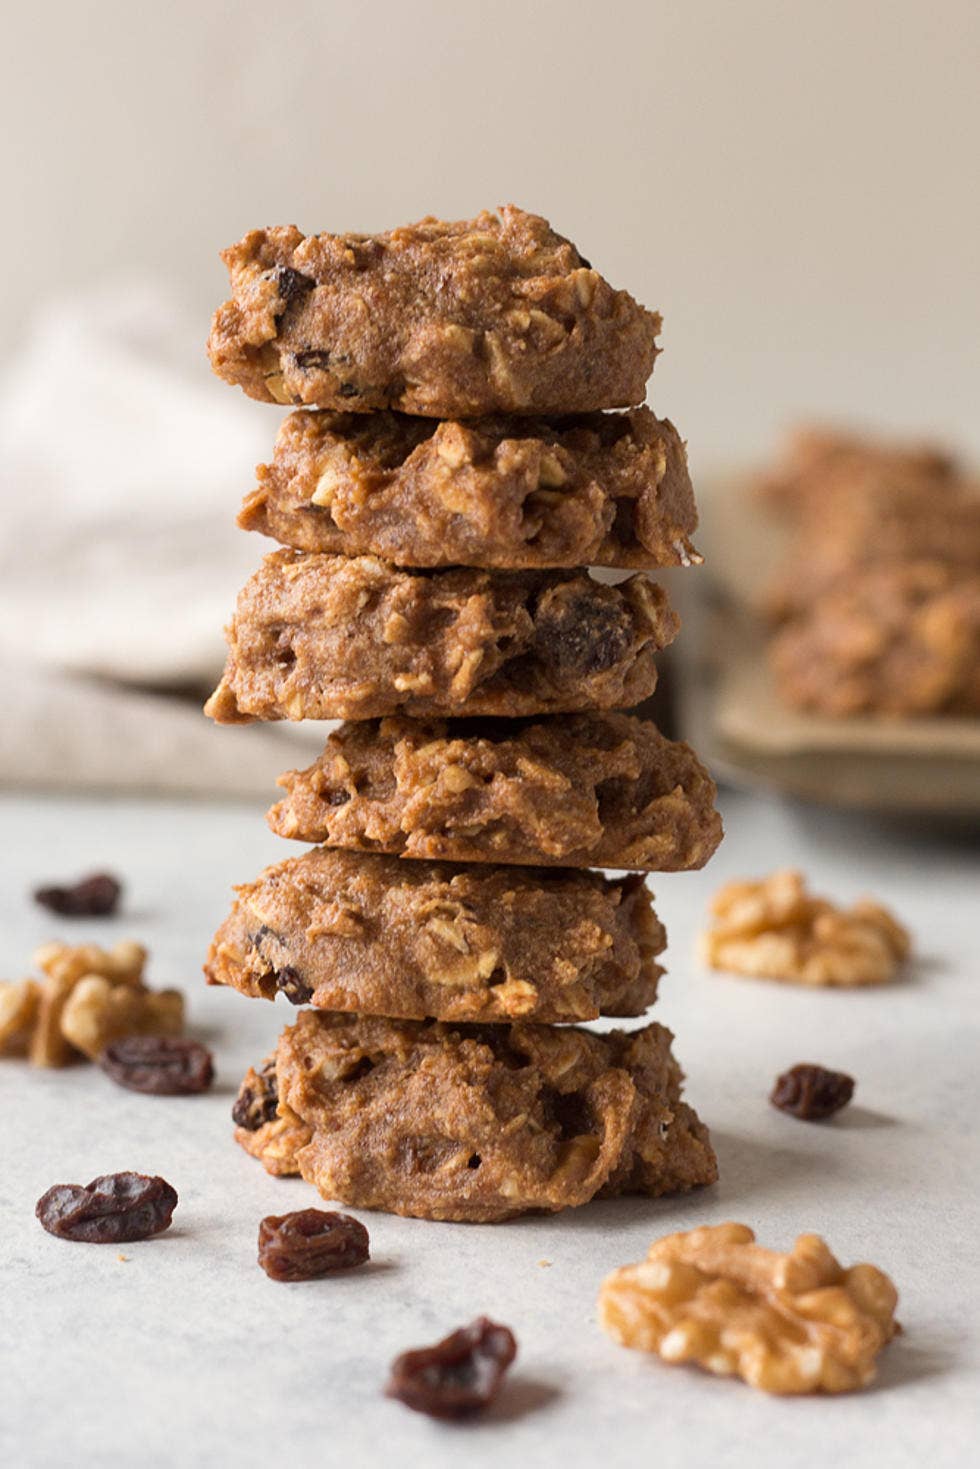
582	790
481	1123
352	932
497	314
608	489
899	639
331	637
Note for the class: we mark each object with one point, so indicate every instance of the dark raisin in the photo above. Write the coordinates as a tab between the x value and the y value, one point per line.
91	897
289	983
459	1375
581	635
310	1243
338	798
812	1092
258	1098
291	283
348	390
110	1211
319	361
160	1065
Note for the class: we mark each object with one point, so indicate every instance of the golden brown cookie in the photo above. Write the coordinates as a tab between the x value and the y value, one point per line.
822	466
331	637
865	532
608	489
496	314
896	639
580	790
347	931
481	1123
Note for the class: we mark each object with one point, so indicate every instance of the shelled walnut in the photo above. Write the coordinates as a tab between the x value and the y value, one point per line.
794	1323
87	998
774	929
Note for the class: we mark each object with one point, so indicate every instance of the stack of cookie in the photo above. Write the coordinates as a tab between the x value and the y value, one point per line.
437	511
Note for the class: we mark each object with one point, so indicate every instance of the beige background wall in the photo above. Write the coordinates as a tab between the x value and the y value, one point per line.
793	184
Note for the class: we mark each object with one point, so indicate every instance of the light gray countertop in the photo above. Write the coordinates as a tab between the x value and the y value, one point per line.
185	1353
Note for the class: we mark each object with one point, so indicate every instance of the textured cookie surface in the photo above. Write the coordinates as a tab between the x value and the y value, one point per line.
608	489
480	1123
331	637
580	790
897	639
497	314
369	934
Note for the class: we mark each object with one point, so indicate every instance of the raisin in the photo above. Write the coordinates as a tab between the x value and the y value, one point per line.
258	1098
338	798
291	283
91	897
319	361
348	390
310	1243
812	1092
289	983
459	1375
111	1210
579	634
160	1065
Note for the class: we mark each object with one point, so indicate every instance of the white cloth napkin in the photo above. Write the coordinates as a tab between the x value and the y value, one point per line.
122	465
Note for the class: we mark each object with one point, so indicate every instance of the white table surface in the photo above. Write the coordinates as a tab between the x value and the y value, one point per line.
185	1354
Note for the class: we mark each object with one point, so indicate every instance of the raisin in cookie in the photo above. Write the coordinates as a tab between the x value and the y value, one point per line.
497	314
583	790
331	637
606	489
347	931
481	1123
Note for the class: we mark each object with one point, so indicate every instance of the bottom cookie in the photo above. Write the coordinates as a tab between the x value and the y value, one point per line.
472	1123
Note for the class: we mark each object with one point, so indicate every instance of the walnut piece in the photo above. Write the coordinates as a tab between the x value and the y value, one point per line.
87	998
794	1323
774	929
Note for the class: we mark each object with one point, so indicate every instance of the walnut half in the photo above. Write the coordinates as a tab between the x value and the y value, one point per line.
774	929
794	1323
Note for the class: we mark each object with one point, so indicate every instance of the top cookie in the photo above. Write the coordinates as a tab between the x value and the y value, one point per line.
498	314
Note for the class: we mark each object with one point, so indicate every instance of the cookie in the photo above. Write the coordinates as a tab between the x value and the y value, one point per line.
482	1123
822	466
600	790
609	489
873	528
331	637
497	314
352	932
896	639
